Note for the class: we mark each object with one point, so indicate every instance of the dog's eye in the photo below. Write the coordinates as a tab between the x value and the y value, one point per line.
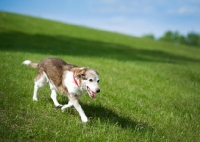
90	80
98	81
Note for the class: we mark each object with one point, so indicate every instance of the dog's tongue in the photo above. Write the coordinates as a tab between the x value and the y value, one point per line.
91	93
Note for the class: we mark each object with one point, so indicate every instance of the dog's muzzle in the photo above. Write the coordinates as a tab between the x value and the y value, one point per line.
91	93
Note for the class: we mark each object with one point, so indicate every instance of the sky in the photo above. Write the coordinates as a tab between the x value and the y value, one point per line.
131	17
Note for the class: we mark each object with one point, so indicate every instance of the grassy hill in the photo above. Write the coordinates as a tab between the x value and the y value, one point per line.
149	90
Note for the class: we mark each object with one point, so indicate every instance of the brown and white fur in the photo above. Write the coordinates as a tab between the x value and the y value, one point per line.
68	79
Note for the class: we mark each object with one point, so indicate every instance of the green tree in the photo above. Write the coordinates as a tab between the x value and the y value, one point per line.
182	40
168	36
193	38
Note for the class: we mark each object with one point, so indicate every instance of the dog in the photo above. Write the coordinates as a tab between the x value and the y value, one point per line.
71	80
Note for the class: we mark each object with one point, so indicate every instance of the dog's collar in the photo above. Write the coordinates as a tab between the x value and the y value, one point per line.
75	81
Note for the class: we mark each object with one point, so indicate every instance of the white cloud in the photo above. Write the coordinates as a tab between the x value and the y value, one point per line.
189	10
122	7
185	10
108	1
114	10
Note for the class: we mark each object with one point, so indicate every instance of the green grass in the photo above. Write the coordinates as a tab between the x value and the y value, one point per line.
149	90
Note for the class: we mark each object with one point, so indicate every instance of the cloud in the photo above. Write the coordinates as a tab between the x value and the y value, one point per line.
108	1
185	10
122	7
114	10
189	10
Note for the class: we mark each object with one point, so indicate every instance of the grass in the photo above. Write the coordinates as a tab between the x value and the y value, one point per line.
149	90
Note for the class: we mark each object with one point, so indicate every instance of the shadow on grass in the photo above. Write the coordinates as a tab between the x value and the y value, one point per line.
109	116
59	45
105	115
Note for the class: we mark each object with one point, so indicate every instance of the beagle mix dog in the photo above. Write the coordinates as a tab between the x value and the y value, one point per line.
70	80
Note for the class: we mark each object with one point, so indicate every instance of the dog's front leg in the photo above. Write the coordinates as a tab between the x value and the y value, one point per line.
54	95
54	98
74	101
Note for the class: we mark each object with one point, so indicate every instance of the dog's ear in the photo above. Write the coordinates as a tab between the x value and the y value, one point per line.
80	72
97	72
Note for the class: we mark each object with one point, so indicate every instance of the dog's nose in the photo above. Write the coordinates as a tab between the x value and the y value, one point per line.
98	90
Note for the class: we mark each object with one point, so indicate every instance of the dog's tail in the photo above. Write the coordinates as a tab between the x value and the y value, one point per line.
30	64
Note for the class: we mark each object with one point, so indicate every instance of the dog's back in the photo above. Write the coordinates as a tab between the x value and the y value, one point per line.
53	68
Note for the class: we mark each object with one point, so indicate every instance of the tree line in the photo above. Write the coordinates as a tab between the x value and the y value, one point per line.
192	38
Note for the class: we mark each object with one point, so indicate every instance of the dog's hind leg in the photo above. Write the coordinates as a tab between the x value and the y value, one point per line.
40	81
35	98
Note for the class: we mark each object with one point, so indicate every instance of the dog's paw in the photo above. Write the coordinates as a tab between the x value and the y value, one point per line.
84	119
35	99
63	108
59	105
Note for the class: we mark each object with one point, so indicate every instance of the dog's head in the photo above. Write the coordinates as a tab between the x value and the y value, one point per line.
88	80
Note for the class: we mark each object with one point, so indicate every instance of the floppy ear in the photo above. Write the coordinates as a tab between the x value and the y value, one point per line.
79	72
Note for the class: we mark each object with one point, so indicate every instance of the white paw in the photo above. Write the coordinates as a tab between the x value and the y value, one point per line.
35	99
84	119
63	108
58	105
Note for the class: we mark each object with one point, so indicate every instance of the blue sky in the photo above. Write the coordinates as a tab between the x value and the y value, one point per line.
130	17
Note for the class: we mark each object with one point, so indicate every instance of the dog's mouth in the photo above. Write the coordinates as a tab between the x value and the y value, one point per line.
91	93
